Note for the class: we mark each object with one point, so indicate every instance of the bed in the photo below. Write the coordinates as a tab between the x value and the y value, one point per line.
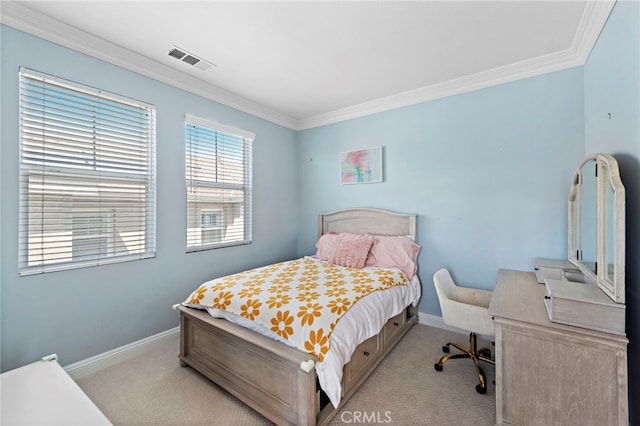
279	381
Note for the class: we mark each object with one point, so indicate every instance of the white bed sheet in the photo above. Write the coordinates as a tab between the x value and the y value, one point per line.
364	320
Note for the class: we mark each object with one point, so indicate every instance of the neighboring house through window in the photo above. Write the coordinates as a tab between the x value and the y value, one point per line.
218	182
87	176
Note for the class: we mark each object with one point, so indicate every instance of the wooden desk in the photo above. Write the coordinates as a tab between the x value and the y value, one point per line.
549	373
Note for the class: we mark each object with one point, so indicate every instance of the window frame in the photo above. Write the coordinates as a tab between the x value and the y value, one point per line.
246	187
101	173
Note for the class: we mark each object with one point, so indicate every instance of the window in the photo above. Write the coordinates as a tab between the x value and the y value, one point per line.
218	179
211	219
211	223
87	176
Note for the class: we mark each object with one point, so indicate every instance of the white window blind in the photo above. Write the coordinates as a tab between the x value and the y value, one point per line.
218	180
87	176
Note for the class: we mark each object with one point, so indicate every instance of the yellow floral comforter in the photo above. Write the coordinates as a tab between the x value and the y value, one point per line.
301	300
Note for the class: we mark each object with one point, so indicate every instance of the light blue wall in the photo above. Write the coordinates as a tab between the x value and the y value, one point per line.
84	312
612	85
487	172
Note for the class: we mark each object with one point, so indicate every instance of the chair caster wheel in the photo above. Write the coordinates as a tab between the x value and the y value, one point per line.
438	367
481	389
445	349
485	353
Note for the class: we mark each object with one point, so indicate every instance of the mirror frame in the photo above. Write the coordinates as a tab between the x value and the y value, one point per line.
615	288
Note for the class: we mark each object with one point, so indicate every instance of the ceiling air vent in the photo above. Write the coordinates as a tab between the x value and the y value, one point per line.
188	58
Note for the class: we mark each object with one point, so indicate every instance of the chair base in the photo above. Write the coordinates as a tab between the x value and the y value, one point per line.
476	355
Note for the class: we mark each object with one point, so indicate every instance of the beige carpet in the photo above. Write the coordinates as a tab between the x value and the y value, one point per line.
152	389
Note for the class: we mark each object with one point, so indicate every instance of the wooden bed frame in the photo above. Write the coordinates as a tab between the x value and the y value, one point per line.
274	379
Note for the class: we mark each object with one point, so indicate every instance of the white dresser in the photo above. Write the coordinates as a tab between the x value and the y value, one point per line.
43	394
549	373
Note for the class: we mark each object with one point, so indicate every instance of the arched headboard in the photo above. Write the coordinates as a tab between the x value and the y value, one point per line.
366	220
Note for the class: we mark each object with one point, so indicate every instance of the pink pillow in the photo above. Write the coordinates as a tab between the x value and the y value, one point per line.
394	251
352	250
326	246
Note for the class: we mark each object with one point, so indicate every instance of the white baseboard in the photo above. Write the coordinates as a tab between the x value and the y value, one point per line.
101	361
436	321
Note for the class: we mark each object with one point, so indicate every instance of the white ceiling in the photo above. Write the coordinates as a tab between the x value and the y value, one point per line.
303	64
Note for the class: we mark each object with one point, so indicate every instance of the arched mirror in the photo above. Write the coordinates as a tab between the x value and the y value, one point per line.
596	224
610	246
588	211
611	277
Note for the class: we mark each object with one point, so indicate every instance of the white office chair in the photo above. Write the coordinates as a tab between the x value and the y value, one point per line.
465	308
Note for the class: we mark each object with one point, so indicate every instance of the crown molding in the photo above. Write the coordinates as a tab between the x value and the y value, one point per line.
592	21
40	25
529	68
